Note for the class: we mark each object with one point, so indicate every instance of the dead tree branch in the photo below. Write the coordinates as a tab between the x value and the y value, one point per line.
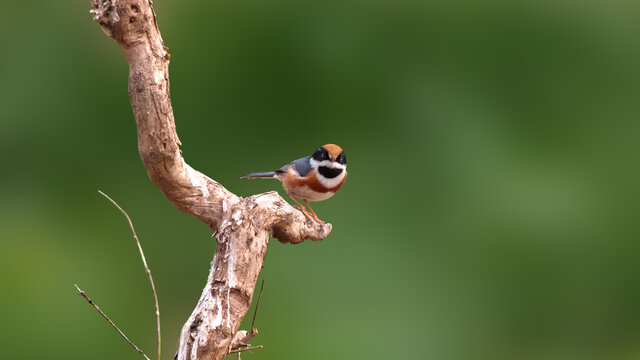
243	224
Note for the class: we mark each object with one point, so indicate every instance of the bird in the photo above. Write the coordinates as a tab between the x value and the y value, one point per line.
315	177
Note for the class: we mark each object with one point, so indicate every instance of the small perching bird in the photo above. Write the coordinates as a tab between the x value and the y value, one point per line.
311	178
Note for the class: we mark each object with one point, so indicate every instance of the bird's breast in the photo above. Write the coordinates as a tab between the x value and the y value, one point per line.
311	187
307	193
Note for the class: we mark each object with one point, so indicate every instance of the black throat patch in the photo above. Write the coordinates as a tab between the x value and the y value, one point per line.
328	172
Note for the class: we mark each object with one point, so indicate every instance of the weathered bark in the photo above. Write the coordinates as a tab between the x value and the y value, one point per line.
243	226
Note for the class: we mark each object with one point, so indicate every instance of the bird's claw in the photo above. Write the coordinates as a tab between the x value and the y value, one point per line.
308	215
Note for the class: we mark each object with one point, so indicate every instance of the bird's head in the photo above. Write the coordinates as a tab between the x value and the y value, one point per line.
329	160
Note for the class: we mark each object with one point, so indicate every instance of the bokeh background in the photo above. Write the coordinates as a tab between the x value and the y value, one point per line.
491	211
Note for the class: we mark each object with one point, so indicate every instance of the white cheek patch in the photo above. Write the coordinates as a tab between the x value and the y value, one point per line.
333	182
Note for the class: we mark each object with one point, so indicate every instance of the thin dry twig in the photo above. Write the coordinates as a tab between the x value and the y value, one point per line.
144	261
255	311
245	340
246	349
84	295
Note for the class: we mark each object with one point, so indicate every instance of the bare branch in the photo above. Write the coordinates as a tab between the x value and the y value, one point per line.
84	295
243	226
144	261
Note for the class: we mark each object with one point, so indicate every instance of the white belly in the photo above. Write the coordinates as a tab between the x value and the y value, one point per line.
306	193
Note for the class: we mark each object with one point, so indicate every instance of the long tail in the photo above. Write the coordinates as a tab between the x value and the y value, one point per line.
260	175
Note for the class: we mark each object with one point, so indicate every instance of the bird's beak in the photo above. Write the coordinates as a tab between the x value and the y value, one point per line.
332	159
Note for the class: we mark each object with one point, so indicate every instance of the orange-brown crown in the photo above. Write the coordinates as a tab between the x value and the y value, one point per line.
333	149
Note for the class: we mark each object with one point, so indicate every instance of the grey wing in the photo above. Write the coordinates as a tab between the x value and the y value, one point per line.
302	166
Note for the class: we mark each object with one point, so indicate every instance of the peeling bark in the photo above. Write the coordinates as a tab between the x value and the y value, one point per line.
243	225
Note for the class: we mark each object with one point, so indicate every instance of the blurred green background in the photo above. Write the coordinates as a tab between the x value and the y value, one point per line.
491	211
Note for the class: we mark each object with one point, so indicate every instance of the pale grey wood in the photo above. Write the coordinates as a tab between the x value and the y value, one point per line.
243	226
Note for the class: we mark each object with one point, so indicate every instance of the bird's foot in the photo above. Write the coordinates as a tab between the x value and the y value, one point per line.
315	218
309	215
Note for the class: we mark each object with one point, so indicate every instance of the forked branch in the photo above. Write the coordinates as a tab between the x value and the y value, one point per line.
243	225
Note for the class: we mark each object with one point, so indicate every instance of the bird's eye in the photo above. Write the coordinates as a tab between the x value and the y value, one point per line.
341	159
325	155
